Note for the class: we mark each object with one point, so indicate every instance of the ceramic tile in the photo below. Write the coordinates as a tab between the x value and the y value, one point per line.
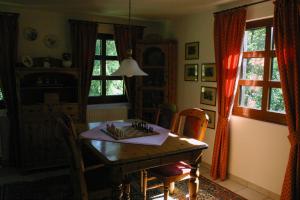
251	194
231	185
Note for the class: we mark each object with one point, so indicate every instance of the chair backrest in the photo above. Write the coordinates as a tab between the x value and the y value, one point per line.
192	122
165	115
75	157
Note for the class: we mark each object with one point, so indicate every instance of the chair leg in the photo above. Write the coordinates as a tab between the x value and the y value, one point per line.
145	177
166	190
172	187
142	181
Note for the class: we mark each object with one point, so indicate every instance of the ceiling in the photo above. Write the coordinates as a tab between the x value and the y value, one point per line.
144	9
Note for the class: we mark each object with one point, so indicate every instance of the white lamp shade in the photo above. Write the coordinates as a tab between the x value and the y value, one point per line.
129	68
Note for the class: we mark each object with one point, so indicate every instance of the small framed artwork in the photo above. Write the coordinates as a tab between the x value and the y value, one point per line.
208	72
191	72
192	50
208	95
211	118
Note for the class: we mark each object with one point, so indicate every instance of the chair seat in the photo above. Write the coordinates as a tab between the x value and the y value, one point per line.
175	169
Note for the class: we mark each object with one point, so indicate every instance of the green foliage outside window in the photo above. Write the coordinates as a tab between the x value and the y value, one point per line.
251	97
109	55
253	69
276	100
1	95
254	39
275	70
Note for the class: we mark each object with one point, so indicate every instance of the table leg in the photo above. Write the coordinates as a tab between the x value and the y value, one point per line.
117	187
126	188
194	182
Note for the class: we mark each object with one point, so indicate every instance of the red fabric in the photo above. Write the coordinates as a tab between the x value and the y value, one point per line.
229	30
122	38
286	36
172	169
83	41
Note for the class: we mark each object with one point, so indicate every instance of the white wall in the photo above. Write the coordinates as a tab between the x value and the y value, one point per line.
46	22
258	150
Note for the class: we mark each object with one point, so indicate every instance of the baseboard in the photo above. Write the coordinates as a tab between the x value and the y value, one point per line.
248	184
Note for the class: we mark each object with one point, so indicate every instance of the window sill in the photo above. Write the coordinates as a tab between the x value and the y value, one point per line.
108	106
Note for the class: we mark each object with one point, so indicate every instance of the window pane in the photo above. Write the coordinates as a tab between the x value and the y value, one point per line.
254	39
276	100
114	87
275	71
111	48
111	66
250	97
98	47
1	95
253	69
96	88
97	68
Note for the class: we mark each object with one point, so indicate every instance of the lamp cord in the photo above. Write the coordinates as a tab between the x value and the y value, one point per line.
129	24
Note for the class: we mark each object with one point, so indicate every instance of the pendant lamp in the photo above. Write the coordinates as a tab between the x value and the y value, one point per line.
129	67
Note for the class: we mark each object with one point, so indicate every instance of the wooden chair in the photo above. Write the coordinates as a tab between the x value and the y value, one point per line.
165	115
193	123
87	182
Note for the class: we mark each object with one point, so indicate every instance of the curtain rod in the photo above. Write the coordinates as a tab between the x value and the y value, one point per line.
72	20
9	13
246	5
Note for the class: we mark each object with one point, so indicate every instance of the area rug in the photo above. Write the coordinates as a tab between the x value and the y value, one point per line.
58	188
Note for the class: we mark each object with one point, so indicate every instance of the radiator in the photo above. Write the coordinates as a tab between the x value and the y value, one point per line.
106	112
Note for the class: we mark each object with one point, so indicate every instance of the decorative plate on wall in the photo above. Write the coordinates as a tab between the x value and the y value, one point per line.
27	61
30	33
51	41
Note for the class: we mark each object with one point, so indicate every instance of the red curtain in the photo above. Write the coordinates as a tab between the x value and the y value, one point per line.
122	38
229	30
83	41
287	42
8	57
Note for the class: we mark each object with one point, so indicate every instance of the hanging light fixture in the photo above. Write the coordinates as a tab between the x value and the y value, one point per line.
129	67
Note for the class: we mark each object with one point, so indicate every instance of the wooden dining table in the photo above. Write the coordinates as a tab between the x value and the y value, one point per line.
123	159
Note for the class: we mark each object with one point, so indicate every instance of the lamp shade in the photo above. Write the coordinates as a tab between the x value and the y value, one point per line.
129	68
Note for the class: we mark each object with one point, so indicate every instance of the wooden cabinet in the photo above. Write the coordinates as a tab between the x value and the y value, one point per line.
159	60
43	92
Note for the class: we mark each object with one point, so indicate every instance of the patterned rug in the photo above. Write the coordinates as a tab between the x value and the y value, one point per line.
58	188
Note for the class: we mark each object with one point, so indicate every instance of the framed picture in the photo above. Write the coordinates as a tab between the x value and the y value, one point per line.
211	118
208	72
208	95
191	72
192	50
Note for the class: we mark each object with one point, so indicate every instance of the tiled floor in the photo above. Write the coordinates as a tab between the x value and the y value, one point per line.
242	190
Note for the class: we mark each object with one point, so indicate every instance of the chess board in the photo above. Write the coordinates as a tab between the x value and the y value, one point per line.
129	132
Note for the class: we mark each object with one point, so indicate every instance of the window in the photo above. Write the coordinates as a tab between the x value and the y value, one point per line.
2	104
259	93
105	88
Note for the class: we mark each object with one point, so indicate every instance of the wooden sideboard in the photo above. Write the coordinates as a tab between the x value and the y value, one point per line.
42	93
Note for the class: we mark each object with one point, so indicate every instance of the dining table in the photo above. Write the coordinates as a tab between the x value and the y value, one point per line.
123	159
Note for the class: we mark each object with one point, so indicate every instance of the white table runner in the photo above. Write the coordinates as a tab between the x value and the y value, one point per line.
97	134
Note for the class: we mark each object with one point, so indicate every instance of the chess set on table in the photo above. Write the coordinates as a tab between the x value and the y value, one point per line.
137	129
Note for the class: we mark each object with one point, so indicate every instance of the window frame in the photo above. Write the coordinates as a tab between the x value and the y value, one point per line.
2	102
264	114
103	58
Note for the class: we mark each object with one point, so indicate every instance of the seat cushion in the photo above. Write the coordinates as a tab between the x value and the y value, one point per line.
176	169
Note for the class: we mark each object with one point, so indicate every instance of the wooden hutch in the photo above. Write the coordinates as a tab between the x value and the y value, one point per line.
159	61
43	92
